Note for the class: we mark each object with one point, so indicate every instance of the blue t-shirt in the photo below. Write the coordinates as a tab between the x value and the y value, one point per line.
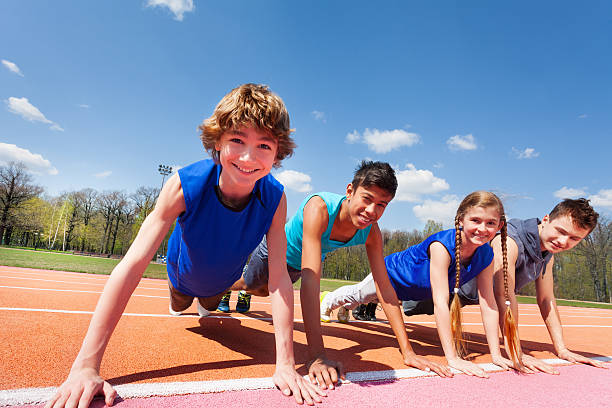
294	229
211	243
409	272
531	261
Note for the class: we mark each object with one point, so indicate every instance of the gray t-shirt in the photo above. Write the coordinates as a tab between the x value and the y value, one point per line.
530	262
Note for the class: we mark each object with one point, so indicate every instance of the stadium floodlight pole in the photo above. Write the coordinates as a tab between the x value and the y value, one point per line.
164	171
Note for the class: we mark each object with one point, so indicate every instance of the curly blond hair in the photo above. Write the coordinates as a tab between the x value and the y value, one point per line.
249	105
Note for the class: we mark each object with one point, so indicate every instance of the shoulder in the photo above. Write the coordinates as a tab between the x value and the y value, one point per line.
171	202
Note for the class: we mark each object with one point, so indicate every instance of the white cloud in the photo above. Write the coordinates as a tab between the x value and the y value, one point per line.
178	7
438	165
34	162
459	142
527	153
413	183
23	108
295	180
103	174
440	211
320	116
11	66
583	116
84	106
567	192
602	199
383	141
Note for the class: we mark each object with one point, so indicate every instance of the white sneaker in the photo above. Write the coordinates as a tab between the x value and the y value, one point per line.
172	312
201	311
325	310
343	315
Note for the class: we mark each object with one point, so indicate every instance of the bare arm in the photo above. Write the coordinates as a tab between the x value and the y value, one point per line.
438	276
531	364
322	370
548	309
83	381
390	304
281	295
490	316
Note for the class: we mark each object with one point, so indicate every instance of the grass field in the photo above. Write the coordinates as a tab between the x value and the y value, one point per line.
88	264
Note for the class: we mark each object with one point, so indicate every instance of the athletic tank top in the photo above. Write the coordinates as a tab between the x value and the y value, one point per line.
211	243
294	230
408	270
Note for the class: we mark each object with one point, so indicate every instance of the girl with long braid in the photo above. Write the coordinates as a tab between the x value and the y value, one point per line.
429	270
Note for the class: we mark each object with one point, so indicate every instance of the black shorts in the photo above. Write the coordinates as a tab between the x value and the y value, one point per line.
256	272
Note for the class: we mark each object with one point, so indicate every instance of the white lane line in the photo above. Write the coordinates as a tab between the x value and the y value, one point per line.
94	292
73	283
24	396
23	309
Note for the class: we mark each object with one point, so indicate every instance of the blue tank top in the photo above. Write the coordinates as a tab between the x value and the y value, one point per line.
211	243
294	230
408	270
530	262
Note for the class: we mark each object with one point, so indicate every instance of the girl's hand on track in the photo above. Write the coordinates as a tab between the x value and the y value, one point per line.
325	372
533	365
290	382
467	367
424	364
502	362
80	388
577	358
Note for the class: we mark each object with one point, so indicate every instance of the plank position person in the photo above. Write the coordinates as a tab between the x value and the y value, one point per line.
223	208
325	222
531	247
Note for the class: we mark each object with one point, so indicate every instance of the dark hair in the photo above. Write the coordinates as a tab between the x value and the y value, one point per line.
579	210
379	174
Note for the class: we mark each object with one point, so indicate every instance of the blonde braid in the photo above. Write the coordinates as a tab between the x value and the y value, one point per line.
510	326
455	308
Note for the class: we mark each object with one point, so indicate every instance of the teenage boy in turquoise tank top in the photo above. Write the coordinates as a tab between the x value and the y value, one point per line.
223	206
323	223
531	247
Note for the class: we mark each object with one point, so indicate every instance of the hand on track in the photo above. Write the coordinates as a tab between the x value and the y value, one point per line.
80	388
424	364
325	372
467	367
577	358
534	365
290	382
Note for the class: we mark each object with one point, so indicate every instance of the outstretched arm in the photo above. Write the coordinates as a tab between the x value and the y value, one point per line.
320	369
490	316
438	276
550	314
531	364
281	295
390	304
84	381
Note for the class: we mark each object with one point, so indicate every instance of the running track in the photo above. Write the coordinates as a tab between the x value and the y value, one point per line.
45	314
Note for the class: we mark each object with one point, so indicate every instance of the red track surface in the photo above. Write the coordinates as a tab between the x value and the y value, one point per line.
40	345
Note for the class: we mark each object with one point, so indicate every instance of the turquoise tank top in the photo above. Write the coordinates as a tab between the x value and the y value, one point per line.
294	230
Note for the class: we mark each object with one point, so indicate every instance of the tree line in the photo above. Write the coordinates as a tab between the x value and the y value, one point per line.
107	222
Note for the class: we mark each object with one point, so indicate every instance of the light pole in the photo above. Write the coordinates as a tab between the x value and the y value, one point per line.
164	171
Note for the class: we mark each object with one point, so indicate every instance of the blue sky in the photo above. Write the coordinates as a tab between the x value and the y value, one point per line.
458	96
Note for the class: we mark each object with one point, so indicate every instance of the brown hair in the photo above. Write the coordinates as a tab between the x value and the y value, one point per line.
249	105
580	211
481	199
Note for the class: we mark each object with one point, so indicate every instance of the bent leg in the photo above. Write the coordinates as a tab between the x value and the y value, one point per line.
351	296
178	301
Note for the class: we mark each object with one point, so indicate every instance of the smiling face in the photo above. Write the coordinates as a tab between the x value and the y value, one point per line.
480	224
246	155
366	204
560	234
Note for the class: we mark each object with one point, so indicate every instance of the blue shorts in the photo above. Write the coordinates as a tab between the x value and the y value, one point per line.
256	272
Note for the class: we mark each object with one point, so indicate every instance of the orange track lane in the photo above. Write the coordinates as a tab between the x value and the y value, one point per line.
41	339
